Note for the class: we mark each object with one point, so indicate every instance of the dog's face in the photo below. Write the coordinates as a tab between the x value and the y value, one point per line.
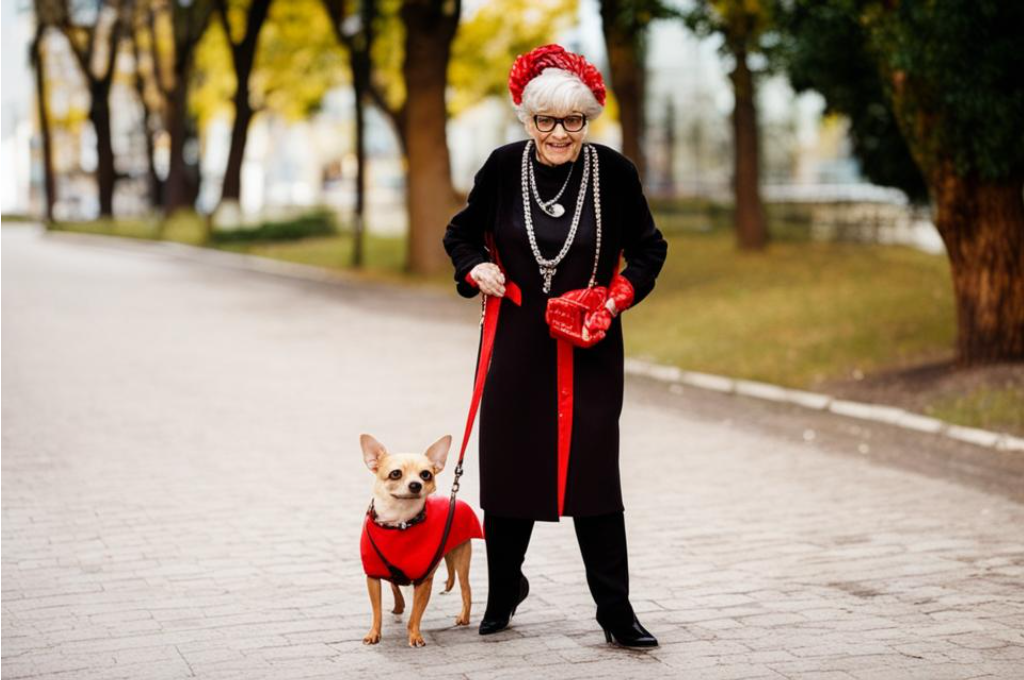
404	476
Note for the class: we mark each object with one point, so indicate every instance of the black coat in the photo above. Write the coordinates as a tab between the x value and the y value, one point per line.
518	410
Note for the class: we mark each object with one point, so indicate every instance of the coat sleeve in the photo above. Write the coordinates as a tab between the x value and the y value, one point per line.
644	247
464	237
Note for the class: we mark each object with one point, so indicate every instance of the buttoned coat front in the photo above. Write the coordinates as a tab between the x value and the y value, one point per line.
518	428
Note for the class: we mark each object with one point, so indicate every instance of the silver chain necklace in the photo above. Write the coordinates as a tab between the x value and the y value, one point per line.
548	267
552	207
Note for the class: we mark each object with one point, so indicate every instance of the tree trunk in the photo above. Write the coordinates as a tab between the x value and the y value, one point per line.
232	187
431	199
176	191
147	127
982	226
625	60
155	184
99	116
99	105
182	183
358	220
670	147
49	184
359	45
751	233
243	55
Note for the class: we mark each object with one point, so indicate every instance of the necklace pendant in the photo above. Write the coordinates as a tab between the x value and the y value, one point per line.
548	273
555	210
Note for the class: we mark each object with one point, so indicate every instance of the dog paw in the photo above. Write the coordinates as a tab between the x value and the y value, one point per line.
462	620
416	640
397	611
372	638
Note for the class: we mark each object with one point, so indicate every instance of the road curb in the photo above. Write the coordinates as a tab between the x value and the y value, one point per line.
677	378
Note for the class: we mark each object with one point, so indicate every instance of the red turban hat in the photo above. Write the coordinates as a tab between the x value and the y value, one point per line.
529	66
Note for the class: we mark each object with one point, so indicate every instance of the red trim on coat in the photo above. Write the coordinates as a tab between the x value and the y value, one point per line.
565	395
565	405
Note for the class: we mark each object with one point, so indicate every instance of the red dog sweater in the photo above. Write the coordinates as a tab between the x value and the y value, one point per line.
411	549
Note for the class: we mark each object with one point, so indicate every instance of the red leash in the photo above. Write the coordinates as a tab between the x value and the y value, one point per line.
489	321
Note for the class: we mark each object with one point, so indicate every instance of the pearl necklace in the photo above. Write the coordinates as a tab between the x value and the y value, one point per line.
552	207
548	267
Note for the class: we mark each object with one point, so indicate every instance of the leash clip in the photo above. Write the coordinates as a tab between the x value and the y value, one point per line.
455	482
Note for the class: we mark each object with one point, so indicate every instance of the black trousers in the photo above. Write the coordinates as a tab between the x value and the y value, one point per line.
602	540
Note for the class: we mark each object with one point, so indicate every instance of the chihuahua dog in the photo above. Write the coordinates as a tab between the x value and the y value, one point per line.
405	525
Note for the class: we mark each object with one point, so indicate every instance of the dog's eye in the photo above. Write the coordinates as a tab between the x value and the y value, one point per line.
395	474
426	476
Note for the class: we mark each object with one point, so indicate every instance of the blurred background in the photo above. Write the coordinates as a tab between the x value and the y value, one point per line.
840	181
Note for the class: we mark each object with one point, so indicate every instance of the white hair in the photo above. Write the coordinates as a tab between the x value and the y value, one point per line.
556	89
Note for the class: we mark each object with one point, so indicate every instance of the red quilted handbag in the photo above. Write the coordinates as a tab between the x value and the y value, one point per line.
567	316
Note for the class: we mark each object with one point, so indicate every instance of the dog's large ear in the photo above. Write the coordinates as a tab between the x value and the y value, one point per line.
438	452
373	451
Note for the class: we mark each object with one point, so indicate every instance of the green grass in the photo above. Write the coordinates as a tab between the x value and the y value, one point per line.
183	227
318	222
789	222
796	314
129	228
384	256
17	218
985	407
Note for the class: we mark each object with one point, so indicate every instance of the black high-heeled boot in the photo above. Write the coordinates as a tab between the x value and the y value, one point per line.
493	623
506	541
602	540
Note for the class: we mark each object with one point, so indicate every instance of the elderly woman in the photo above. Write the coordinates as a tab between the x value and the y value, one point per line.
553	216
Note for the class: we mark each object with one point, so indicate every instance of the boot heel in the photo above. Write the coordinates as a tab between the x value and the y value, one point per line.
633	636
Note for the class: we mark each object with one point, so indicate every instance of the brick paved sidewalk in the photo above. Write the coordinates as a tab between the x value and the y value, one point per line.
182	494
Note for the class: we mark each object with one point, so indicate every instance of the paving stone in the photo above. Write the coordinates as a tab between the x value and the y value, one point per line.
182	497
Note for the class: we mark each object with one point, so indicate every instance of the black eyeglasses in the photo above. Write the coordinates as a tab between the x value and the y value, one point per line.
571	123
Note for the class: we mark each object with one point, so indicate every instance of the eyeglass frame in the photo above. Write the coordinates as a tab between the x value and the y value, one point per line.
559	121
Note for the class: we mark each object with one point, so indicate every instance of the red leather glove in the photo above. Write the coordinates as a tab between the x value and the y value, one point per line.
621	293
598	321
579	316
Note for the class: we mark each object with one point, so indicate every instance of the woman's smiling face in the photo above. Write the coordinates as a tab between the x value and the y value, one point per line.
557	146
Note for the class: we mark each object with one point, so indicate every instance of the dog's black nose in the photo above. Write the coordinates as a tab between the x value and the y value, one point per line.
415	487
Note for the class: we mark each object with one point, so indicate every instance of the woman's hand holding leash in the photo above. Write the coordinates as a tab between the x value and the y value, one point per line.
489	279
